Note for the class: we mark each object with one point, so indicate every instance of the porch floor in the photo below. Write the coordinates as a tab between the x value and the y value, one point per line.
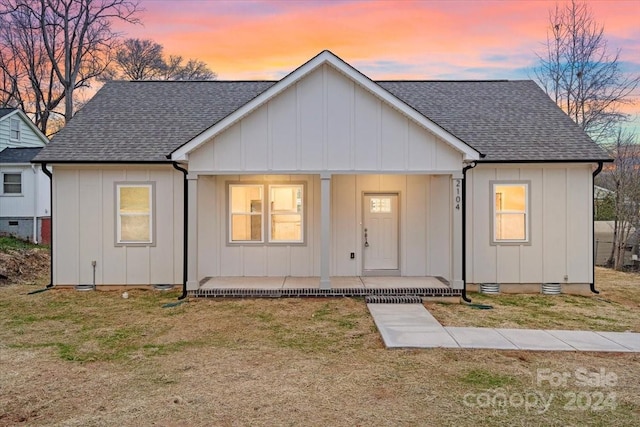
292	287
353	282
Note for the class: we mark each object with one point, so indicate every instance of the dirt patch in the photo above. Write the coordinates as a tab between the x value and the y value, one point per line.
24	266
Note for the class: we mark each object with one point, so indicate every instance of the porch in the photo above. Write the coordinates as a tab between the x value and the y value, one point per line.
352	286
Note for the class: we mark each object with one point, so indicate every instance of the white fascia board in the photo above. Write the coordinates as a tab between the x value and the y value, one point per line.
327	57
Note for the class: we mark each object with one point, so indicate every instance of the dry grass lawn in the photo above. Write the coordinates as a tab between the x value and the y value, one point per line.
93	358
614	309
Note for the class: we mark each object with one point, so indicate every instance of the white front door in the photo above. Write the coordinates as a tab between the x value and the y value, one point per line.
380	231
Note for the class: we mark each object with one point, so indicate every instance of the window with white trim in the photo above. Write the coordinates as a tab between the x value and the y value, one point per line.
15	125
260	213
245	213
134	213
285	214
12	183
510	212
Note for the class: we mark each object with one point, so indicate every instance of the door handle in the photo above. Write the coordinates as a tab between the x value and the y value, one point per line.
366	243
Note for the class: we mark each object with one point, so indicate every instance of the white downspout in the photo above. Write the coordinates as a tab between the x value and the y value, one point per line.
35	204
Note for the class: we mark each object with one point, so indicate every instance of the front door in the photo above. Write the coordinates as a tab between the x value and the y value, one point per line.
380	231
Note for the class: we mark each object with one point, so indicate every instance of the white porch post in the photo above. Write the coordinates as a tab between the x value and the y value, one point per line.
456	234
325	230
192	262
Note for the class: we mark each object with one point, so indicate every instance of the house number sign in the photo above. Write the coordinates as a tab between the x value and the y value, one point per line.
457	193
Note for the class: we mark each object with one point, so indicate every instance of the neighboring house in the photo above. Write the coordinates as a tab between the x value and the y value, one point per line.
24	188
324	173
604	243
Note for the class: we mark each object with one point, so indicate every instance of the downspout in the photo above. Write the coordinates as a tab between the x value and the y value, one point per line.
464	230
34	169
50	175
593	228
185	230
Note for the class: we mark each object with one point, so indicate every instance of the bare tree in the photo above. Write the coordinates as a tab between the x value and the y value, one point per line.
30	82
73	43
143	60
623	177
580	73
140	59
193	70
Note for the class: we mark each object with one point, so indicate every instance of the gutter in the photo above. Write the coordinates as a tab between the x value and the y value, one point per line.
185	230
465	298
592	285
50	175
545	161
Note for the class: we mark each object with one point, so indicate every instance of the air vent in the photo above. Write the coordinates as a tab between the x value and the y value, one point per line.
490	288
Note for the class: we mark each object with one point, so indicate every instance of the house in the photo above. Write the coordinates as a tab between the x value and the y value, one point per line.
603	234
24	188
324	174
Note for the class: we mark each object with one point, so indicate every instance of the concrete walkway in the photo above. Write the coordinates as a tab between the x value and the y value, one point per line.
412	326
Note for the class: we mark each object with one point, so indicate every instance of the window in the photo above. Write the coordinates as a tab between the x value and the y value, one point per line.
510	212
134	213
12	183
15	130
245	218
380	205
285	214
266	213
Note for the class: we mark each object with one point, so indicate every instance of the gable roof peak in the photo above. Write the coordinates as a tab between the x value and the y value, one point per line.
325	57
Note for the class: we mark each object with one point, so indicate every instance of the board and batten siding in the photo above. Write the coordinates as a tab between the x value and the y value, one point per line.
84	227
425	227
560	233
325	122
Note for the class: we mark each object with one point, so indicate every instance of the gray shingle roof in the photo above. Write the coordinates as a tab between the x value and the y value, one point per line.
5	111
18	155
146	121
505	120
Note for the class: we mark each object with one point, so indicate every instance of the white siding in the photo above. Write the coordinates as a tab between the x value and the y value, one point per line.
28	138
218	258
34	200
560	226
425	227
84	227
325	122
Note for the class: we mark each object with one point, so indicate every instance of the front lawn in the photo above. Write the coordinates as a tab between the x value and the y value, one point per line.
95	358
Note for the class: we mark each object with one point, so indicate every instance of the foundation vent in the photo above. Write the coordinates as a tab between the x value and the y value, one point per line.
551	288
408	299
490	288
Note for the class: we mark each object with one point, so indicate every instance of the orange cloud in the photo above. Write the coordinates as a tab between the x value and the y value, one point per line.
385	39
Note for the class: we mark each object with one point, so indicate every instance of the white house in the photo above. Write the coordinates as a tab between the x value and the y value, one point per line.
24	188
323	174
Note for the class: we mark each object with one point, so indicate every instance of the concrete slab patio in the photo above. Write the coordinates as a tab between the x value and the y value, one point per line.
412	326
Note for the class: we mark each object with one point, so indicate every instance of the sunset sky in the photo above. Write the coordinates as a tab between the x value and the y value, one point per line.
401	39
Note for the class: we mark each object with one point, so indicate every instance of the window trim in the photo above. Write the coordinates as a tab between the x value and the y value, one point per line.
266	204
2	183
12	130
230	215
271	213
527	213
152	215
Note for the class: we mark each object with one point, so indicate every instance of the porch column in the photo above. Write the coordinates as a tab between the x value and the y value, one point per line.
456	232
192	218
325	230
